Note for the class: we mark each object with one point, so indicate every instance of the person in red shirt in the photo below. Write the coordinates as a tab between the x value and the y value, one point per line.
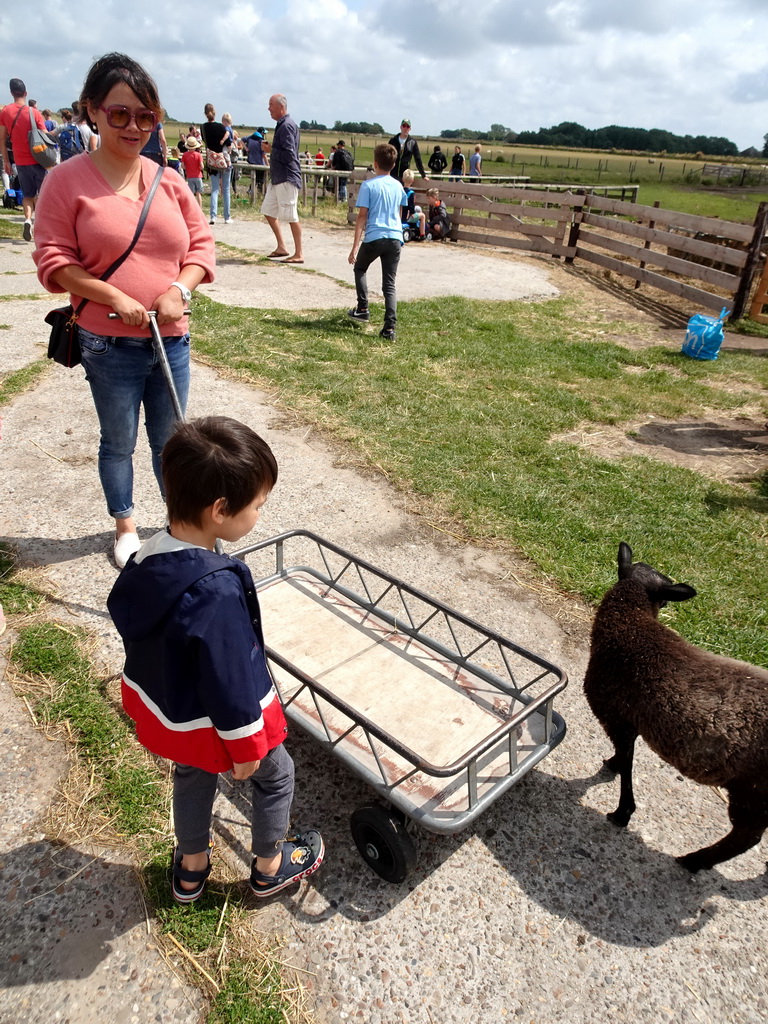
320	158
192	162
15	123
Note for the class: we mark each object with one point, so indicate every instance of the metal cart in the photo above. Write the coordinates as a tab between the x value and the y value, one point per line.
438	714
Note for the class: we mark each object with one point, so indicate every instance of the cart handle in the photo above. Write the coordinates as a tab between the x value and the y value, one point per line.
150	312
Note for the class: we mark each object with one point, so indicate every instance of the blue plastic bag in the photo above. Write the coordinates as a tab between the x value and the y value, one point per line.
704	335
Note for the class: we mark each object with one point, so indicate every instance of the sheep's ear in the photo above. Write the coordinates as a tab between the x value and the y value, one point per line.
625	560
675	592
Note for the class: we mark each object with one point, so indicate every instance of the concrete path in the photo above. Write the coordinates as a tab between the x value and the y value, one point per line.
543	911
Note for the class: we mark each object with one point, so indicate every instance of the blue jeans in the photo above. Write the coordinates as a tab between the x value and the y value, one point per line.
220	178
124	374
388	251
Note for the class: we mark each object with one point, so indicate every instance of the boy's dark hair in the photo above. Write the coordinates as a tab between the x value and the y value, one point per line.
17	88
110	70
215	457
385	156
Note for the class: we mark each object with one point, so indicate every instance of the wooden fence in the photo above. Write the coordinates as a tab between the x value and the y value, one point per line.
708	262
638	240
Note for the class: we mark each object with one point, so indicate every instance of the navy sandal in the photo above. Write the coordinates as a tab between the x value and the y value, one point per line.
180	874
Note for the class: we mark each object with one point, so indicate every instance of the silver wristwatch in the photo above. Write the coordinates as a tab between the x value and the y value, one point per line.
186	294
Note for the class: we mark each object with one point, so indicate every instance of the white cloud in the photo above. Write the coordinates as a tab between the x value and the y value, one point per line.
690	66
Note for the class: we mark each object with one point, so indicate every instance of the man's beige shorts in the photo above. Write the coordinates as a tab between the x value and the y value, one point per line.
281	202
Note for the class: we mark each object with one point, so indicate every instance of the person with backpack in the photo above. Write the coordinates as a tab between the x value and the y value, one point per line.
342	160
69	137
437	162
16	120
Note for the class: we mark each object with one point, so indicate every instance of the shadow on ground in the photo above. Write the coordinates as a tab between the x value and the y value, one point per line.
61	909
566	857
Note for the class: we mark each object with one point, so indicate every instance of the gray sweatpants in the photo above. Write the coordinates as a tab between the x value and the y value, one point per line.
194	791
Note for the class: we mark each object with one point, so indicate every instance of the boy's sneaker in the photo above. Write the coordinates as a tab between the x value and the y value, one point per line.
302	856
359	314
27	230
387	333
228	220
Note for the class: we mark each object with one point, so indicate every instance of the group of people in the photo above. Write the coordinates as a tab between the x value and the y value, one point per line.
124	235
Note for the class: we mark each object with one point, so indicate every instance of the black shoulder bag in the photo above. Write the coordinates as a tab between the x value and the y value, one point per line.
64	342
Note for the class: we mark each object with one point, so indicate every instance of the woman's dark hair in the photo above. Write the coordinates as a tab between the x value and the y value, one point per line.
109	71
210	111
215	457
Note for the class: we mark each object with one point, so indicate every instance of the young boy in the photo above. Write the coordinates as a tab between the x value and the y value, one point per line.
412	215
439	221
196	680
379	225
192	162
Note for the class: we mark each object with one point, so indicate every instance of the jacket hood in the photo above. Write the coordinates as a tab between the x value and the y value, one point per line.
145	591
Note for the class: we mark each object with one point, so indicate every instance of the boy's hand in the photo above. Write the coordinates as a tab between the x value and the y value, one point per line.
245	770
352	256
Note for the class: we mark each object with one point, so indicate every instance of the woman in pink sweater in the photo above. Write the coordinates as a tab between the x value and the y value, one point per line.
87	215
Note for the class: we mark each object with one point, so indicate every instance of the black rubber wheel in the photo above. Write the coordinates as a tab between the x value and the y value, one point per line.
383	842
406	234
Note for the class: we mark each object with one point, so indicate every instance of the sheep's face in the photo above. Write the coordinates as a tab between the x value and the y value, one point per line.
659	588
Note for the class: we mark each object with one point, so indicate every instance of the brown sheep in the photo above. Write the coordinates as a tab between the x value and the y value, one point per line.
704	714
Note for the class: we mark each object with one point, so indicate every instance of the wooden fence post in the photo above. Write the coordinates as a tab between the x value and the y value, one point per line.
647	244
576	215
750	267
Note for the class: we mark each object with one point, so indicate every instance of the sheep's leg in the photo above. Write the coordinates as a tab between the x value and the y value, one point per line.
623	738
748	812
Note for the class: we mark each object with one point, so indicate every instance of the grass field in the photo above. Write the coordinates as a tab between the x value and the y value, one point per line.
463	414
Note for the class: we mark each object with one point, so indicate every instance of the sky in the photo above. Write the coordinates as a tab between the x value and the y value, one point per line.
693	67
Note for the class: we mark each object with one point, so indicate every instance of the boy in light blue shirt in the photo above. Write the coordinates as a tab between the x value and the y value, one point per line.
380	228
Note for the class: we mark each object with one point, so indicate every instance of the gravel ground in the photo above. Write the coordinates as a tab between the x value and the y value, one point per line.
542	911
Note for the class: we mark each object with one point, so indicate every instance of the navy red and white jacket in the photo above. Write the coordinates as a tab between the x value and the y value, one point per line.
195	680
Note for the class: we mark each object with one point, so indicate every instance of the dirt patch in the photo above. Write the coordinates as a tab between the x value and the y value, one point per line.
728	450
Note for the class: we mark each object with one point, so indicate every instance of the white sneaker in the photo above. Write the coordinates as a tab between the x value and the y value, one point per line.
126	544
229	220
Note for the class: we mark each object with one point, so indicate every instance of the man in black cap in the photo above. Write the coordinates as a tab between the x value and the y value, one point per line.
407	148
15	123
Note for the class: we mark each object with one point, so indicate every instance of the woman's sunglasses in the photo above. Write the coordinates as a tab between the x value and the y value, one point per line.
120	117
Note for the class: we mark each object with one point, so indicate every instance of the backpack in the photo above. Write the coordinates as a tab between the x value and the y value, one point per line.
347	160
70	142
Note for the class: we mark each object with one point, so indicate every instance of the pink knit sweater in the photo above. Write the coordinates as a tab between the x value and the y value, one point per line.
81	221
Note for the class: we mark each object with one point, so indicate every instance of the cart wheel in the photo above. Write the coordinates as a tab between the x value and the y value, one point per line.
383	843
406	234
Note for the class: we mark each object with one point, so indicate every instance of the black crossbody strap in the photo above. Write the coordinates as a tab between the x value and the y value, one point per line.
139	228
